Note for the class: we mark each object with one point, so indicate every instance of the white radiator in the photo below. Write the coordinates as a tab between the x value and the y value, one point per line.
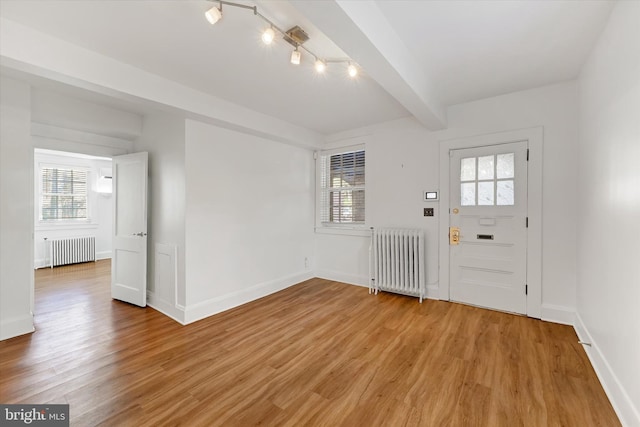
72	250
397	261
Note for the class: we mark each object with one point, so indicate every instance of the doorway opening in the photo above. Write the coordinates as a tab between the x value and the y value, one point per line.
72	233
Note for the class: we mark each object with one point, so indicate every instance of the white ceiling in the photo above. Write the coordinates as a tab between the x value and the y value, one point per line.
467	49
478	49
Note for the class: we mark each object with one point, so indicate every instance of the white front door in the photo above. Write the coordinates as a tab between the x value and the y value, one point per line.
488	226
129	259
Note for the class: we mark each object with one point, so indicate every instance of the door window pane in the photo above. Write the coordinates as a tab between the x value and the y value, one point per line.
485	167
468	194
485	193
505	165
505	193
468	169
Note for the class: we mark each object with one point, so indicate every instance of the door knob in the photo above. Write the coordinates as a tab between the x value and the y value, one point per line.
140	234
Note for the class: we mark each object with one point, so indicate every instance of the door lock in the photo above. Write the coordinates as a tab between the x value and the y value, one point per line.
454	236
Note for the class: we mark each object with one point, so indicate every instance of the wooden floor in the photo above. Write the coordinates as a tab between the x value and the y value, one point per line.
319	353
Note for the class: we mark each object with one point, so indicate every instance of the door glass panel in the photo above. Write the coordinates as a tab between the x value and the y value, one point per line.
468	194
485	193
505	193
468	169
485	167
505	165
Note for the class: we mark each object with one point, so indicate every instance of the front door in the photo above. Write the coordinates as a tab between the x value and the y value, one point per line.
488	226
129	260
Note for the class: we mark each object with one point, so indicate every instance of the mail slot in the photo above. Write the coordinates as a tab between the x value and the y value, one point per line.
485	236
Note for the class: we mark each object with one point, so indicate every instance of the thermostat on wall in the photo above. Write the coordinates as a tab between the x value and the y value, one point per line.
430	196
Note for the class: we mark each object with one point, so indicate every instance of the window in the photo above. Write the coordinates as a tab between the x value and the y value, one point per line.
487	180
63	194
342	187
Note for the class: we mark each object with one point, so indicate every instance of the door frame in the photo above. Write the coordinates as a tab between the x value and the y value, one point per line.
534	137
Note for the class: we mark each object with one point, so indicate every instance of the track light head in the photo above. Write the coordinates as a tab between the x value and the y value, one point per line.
214	14
295	57
268	35
320	65
352	70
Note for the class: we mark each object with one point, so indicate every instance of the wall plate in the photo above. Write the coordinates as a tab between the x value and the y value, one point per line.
430	196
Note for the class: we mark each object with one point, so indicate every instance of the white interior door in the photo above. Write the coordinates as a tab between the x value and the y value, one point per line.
488	220
129	258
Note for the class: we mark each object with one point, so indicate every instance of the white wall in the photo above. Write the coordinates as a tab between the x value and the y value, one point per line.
100	209
555	109
608	297
163	137
57	109
401	163
403	160
16	209
249	217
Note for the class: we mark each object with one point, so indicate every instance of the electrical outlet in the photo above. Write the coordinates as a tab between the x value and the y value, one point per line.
428	211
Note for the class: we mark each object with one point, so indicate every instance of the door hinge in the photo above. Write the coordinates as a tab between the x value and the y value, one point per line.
527	223
526	289
527	154
315	155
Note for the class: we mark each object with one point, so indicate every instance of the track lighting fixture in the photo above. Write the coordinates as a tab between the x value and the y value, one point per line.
352	70
320	66
295	57
214	14
268	35
295	36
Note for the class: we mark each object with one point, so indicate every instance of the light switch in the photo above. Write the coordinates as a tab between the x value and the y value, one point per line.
428	211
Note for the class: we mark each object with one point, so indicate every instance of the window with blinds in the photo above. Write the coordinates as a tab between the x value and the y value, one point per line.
63	194
342	186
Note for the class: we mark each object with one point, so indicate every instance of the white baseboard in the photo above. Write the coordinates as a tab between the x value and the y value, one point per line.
44	263
558	314
433	291
628	413
336	276
195	312
10	328
166	308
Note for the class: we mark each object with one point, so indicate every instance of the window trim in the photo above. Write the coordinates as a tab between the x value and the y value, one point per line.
360	228
44	223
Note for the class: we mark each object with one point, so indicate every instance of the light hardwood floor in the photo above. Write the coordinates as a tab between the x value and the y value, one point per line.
319	353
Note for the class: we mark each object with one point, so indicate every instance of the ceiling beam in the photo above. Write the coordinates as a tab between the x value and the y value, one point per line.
361	30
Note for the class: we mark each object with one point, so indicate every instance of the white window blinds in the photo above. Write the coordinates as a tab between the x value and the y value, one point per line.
64	194
342	186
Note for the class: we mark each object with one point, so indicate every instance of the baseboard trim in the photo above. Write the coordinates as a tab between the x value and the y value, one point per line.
44	263
433	291
201	310
17	326
558	314
350	279
165	307
628	414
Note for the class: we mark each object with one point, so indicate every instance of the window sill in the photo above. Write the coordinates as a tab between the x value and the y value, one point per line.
46	226
361	231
